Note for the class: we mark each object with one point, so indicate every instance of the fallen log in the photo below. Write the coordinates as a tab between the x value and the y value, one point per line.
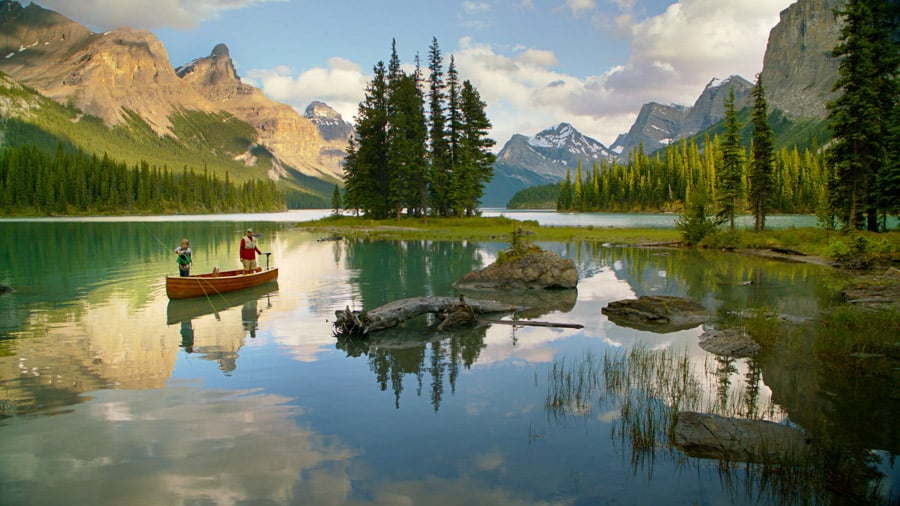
528	323
360	323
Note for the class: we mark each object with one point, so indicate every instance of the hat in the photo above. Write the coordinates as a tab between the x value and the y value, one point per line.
250	230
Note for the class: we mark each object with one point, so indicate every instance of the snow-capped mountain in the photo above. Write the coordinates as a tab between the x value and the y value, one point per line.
543	158
552	151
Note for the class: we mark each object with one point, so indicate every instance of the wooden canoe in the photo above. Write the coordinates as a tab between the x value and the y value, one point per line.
212	284
179	310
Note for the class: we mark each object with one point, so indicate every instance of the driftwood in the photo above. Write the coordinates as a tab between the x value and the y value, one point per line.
455	310
527	323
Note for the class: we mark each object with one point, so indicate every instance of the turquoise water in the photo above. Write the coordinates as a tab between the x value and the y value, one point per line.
111	394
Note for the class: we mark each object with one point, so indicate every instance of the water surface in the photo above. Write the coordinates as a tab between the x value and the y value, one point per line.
111	394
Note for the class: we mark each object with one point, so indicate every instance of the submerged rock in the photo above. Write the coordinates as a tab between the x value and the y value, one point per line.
656	313
535	270
730	342
736	439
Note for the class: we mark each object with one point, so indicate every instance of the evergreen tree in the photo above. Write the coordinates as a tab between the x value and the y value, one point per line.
437	136
336	205
763	155
860	150
729	187
369	164
474	158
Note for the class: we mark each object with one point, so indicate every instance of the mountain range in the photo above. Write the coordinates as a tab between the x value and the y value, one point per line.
124	78
798	74
203	112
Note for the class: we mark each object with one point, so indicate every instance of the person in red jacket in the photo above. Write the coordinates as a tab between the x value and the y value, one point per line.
249	251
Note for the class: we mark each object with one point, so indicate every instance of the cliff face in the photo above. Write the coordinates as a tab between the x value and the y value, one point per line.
291	137
101	74
798	69
126	71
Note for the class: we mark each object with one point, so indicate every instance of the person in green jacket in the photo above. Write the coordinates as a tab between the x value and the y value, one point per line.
184	257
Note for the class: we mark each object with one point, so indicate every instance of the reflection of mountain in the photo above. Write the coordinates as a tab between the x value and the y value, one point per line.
174	446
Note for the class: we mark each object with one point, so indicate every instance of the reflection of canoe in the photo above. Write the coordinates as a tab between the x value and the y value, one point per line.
212	284
180	310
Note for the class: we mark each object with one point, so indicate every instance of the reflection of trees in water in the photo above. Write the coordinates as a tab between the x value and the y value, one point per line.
414	350
722	282
386	271
647	389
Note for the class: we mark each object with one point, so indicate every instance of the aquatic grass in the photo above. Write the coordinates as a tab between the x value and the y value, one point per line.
847	331
649	388
497	228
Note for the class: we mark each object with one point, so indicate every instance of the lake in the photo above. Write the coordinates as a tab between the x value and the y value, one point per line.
112	394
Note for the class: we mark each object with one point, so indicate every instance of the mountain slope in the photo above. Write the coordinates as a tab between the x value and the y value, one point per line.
124	78
552	152
659	125
291	137
798	69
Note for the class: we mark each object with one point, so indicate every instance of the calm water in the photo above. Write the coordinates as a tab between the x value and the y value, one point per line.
111	394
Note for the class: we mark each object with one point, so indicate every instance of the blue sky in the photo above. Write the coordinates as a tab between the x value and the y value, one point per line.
592	63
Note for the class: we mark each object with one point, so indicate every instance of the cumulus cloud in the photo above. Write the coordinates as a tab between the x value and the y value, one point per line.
178	14
673	55
341	85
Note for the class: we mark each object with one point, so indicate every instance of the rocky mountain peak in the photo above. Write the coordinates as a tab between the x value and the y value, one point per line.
332	127
214	76
321	111
552	151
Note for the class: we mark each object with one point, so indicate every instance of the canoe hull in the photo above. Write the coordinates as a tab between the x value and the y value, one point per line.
178	287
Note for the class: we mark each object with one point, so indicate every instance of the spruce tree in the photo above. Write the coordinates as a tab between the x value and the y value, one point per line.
336	204
439	154
855	116
730	177
475	161
763	151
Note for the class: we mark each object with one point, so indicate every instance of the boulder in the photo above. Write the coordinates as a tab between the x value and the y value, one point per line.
730	342
656	313
534	270
736	439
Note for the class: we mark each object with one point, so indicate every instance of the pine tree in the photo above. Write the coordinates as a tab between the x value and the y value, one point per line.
440	150
761	178
336	204
858	152
729	188
475	160
369	163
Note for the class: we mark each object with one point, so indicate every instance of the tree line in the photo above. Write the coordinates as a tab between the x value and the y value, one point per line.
854	183
421	144
36	182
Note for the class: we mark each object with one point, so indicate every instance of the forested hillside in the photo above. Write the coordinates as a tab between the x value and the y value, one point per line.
35	183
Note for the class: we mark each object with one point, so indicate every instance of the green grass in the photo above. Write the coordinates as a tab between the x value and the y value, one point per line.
483	229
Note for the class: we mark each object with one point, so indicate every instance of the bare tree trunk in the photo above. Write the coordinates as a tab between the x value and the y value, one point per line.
360	323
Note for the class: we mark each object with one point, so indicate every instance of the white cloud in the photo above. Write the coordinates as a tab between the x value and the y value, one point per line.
179	14
673	56
578	6
341	85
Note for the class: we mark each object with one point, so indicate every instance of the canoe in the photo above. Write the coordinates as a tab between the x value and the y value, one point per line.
180	310
214	283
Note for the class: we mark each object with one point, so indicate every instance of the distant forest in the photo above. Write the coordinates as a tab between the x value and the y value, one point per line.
37	183
665	181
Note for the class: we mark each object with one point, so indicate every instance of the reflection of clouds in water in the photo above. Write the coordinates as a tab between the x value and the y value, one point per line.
313	282
440	492
172	446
